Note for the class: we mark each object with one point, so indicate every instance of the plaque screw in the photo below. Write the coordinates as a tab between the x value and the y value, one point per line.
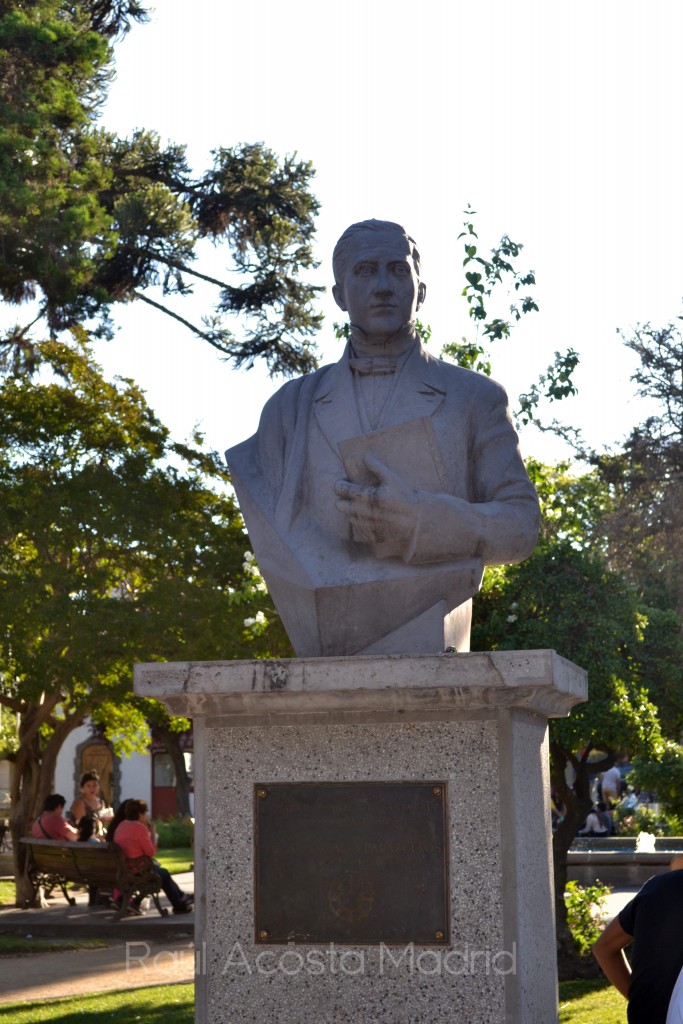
439	936
437	791
261	793
263	935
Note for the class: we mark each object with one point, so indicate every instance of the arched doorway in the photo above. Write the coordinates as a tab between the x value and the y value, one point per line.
96	754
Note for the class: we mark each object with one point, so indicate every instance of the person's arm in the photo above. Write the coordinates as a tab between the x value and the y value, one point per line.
69	832
77	808
148	845
609	952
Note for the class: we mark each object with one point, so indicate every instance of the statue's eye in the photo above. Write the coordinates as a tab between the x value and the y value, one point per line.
364	270
402	270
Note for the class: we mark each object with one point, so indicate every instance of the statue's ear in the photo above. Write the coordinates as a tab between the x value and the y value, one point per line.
339	297
421	292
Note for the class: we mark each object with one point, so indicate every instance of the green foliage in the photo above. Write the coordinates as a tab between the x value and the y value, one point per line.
480	283
570	601
9	740
632	821
174	832
469	354
586	914
554	385
487	280
662	777
89	220
573	505
645	528
118	546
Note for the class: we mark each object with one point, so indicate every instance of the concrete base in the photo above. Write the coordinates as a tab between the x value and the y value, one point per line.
477	721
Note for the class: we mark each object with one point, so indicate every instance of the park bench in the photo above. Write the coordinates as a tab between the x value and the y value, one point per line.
55	862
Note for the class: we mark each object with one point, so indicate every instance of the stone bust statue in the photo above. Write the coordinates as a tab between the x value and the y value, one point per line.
377	488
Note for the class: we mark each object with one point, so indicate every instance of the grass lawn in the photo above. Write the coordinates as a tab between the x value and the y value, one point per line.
581	1002
165	1004
176	859
6	892
591	1002
16	945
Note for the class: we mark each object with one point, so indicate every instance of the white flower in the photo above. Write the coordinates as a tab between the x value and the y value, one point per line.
511	618
258	620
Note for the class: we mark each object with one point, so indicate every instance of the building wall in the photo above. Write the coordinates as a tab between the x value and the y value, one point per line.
135	771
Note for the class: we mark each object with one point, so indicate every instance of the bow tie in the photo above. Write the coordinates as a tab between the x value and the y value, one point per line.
375	365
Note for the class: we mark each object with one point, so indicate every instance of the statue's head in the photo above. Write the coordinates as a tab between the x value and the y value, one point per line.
370	227
377	282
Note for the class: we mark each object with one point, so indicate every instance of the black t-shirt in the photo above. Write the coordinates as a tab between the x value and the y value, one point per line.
654	918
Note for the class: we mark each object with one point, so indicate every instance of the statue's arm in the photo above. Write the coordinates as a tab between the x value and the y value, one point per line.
500	524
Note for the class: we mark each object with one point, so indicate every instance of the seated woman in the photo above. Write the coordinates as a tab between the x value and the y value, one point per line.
51	823
136	837
89	804
595	825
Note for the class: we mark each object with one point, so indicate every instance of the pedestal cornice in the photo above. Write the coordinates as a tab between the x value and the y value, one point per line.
404	685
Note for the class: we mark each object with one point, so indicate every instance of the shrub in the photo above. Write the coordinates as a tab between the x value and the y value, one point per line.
174	832
586	915
663	777
631	821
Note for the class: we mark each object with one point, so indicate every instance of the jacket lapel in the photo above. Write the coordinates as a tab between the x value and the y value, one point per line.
418	392
334	404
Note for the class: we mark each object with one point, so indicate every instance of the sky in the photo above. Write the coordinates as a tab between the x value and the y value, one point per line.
559	123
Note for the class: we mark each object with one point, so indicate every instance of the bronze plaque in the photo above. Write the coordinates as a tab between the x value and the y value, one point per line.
354	863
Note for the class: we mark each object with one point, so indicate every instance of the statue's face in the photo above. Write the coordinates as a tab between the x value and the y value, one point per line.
380	289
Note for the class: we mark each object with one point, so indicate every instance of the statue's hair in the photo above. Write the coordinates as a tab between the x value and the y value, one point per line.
341	248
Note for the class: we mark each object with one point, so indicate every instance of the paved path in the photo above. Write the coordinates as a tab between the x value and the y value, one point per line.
149	950
134	964
137	961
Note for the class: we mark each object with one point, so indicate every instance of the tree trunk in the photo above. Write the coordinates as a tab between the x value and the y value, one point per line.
32	781
570	964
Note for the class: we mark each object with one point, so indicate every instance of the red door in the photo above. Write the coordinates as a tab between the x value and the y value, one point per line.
164	803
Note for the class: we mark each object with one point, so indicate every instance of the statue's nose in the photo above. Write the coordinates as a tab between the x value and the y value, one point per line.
383	282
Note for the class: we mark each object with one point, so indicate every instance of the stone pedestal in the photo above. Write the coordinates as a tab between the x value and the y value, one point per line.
476	721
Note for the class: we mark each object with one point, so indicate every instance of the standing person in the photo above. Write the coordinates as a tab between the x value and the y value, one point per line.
89	804
51	823
136	837
611	785
652	922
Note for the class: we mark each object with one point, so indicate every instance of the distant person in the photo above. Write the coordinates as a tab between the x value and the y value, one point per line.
119	816
51	823
89	804
596	825
558	810
136	837
611	785
652	922
86	831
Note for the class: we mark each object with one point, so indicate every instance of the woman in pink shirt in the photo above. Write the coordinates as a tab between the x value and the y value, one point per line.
135	835
51	824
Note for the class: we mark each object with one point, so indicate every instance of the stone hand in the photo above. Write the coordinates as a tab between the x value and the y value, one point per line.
385	512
